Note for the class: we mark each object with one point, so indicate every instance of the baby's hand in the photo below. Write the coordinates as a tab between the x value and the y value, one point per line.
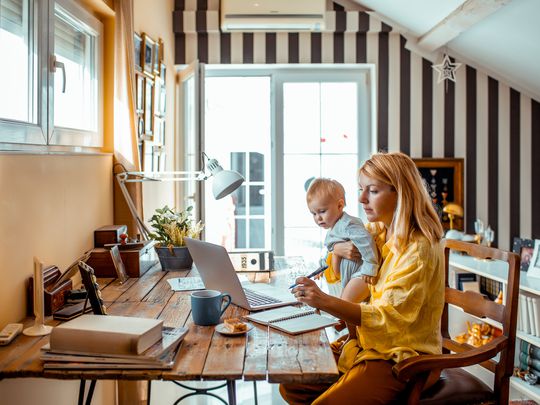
318	276
370	279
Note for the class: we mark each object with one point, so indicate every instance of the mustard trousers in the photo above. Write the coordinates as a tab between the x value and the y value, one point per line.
369	382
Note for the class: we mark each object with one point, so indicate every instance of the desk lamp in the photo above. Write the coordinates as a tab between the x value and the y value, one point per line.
225	182
453	210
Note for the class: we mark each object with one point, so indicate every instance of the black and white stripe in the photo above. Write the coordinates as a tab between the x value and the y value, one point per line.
496	129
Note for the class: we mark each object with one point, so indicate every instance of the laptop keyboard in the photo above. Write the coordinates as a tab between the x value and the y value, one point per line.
255	299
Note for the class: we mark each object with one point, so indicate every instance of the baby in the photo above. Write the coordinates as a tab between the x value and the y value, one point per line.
326	201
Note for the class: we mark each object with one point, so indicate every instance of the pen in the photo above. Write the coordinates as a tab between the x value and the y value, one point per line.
311	275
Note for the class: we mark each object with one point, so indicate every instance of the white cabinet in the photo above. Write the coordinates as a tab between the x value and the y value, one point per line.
498	271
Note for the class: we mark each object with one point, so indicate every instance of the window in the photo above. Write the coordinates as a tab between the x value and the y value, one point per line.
280	128
51	74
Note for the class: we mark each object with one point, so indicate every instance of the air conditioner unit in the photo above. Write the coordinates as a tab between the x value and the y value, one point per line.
272	15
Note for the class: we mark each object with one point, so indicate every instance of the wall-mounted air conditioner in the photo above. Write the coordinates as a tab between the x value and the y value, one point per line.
272	15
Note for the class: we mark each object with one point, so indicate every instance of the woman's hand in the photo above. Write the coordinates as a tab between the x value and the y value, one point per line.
308	292
347	250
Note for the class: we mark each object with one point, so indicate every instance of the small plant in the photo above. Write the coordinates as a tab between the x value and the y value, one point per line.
171	227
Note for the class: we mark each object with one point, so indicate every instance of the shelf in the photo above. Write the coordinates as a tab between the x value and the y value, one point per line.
494	269
529	284
535	340
531	391
489	321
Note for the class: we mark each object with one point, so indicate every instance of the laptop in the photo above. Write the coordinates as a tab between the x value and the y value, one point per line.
217	273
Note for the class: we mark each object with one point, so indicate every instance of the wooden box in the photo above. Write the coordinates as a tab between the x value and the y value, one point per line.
108	234
54	293
136	261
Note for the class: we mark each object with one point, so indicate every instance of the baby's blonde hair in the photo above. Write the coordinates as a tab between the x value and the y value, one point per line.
414	210
326	188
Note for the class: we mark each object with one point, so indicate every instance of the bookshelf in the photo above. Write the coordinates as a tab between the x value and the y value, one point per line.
497	270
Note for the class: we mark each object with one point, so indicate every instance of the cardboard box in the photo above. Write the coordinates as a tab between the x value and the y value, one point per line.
108	234
136	261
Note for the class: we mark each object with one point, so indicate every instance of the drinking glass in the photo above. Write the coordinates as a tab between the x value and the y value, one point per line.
479	230
296	268
489	236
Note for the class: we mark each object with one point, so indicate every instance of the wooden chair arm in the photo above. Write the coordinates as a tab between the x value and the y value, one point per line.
413	366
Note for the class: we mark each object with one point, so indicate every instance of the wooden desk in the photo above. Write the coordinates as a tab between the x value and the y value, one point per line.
262	354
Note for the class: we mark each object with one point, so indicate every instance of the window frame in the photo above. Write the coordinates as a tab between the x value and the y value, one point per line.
43	136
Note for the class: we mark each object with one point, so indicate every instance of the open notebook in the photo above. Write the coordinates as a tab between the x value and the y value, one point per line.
292	320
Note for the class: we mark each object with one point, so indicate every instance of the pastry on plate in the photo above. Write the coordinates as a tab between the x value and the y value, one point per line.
235	325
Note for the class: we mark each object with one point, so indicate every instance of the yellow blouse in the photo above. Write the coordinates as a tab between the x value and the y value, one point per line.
402	317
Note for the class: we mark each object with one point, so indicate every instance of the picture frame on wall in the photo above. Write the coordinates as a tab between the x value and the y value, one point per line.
147	156
149	49
162	70
444	181
157	55
139	103
525	249
148	107
534	266
137	41
159	131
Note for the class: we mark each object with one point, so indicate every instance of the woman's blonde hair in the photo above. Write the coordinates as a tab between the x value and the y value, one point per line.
414	210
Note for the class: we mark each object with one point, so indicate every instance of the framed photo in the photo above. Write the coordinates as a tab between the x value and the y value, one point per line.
139	106
162	70
534	266
118	265
148	107
525	249
149	49
159	158
148	156
444	181
137	40
157	55
159	131
92	289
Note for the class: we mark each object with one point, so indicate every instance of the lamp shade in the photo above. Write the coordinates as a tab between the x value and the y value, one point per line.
225	181
453	209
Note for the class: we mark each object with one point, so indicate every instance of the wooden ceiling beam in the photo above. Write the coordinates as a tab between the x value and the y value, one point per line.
458	21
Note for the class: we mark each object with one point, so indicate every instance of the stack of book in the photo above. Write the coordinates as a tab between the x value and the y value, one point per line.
105	342
529	358
529	314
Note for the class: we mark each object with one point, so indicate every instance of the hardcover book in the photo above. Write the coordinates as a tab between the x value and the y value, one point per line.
171	339
106	334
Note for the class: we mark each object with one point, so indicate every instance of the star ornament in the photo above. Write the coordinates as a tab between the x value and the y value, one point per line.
447	69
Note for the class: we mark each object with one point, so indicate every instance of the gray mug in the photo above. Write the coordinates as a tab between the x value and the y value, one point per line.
207	306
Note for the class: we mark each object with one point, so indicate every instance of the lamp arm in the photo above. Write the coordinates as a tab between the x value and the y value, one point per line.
122	179
139	177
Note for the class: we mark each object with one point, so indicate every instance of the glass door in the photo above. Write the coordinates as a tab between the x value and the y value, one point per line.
320	128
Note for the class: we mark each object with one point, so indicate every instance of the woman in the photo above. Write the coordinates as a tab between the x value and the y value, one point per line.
401	317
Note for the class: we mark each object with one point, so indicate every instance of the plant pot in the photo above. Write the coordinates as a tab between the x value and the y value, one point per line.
177	258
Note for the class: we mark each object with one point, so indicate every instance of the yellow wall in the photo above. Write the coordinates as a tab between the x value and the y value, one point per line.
50	206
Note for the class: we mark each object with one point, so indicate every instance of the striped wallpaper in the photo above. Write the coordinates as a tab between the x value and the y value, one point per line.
495	128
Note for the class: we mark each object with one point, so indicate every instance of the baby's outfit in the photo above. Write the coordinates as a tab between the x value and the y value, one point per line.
345	229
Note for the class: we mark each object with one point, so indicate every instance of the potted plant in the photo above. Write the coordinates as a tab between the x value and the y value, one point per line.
170	228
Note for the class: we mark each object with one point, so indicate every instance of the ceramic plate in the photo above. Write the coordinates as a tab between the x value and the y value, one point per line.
221	328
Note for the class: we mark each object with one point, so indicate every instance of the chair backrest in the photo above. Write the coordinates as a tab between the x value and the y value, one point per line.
476	304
